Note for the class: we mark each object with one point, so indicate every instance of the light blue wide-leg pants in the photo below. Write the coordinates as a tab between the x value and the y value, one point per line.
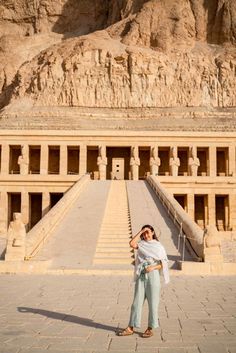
146	288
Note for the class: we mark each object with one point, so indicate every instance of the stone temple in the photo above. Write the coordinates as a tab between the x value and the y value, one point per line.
115	114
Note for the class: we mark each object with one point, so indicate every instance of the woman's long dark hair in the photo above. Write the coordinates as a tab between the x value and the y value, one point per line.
152	230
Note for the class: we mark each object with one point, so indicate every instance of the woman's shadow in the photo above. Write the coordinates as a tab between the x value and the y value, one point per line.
65	317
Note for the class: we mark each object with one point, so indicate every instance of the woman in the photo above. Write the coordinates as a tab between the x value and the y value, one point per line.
151	258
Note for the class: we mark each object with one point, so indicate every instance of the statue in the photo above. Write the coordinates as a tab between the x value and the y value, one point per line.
16	239
154	161
212	245
193	161
102	163
23	161
134	163
174	162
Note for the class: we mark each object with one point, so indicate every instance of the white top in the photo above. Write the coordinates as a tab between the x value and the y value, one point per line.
151	251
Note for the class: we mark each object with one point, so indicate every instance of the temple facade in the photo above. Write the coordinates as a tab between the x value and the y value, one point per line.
198	167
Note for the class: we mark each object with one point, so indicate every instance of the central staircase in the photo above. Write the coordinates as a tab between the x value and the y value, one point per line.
115	233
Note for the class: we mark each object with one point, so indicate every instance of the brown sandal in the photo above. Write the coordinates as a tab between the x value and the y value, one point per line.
126	332
148	333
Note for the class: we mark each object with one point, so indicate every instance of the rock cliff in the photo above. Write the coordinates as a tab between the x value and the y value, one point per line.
123	53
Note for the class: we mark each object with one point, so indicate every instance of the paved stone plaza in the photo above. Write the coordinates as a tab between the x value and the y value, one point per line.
82	314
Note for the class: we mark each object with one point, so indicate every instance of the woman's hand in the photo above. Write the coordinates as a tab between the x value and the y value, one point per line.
150	268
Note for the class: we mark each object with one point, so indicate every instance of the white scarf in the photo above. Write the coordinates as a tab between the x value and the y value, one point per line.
151	251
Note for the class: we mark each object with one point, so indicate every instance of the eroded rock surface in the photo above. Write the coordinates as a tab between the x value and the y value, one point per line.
118	53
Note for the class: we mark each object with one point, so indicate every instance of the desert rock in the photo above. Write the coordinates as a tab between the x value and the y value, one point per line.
119	53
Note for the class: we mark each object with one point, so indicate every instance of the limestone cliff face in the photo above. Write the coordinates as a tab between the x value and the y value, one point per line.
137	54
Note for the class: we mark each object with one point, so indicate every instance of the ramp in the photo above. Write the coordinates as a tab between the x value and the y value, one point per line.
95	233
73	244
146	208
113	243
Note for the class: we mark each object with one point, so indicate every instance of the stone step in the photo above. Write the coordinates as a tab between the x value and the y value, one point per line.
110	244
116	228
114	236
114	261
114	250
115	232
111	241
113	255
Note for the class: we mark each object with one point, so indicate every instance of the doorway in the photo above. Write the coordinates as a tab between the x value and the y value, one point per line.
222	212
118	169
122	156
14	205
200	210
35	208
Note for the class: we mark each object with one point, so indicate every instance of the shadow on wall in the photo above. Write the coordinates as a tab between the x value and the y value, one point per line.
79	17
214	21
65	317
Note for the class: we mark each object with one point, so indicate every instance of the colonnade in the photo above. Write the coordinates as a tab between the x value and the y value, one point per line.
173	160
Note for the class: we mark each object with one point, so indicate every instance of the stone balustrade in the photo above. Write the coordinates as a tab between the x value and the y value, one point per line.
193	232
44	228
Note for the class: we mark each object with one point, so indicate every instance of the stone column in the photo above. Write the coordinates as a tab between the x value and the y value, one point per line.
63	160
3	213
212	161
25	208
174	161
5	159
44	159
102	163
83	159
211	209
193	161
23	160
154	161
45	203
190	205
232	164
134	163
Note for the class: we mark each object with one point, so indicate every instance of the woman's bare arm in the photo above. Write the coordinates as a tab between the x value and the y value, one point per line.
134	241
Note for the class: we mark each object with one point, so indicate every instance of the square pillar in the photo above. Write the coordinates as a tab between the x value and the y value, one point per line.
63	160
5	159
23	160
212	161
212	209
190	205
3	213
25	208
44	160
232	211
83	159
232	163
45	203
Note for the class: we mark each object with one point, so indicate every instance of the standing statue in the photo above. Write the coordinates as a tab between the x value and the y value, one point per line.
23	160
134	163
193	161
174	162
16	239
102	163
154	161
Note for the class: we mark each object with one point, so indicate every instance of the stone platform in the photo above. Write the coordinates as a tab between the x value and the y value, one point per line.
81	314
